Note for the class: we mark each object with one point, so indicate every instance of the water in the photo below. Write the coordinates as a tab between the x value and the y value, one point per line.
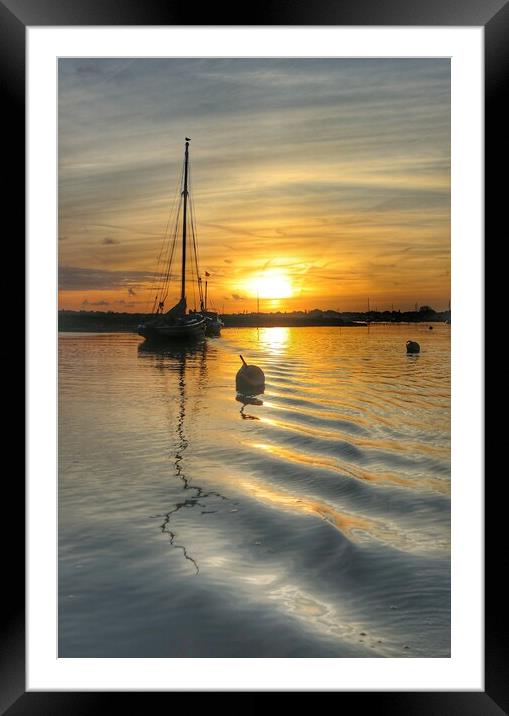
316	524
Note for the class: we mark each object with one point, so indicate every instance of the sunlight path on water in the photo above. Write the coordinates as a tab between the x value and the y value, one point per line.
312	521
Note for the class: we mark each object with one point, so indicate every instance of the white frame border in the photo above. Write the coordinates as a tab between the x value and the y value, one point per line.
465	669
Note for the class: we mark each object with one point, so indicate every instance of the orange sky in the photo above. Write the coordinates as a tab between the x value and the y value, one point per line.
316	183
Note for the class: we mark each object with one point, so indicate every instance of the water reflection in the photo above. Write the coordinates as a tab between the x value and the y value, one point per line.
248	400
179	359
274	339
178	351
338	511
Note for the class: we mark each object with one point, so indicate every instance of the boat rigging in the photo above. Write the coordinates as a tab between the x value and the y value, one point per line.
177	323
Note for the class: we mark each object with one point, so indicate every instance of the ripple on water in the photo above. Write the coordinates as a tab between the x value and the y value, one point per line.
316	523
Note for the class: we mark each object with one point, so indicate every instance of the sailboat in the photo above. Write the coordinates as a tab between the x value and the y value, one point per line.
176	324
214	322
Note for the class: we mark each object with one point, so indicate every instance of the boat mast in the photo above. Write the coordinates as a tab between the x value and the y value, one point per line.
184	223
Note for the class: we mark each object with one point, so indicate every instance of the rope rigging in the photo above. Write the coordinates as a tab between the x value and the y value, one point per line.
192	213
163	272
164	261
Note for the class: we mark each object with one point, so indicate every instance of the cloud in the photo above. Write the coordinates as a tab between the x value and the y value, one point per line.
93	69
292	160
76	278
121	302
95	303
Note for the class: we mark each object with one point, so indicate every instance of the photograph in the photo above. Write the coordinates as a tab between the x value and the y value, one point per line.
254	357
255	435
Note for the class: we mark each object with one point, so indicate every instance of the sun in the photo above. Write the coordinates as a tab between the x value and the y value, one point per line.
273	283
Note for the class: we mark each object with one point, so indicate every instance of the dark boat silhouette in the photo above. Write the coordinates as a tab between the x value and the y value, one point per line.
214	322
176	324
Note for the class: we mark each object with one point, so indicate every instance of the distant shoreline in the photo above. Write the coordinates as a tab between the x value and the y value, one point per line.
111	322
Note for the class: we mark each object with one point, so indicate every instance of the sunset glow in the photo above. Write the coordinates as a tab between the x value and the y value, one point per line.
270	284
316	183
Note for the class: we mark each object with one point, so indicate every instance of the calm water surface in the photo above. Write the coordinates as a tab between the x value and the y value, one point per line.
315	524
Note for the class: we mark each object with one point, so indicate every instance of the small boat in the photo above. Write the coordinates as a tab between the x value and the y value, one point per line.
214	322
176	324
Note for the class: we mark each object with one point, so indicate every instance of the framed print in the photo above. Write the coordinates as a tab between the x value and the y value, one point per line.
214	534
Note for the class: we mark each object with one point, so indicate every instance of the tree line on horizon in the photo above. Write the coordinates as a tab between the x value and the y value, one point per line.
109	320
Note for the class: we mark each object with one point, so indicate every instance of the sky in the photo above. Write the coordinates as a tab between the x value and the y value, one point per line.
317	183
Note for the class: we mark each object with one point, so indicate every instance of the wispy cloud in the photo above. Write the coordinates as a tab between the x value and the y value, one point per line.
86	302
333	162
75	278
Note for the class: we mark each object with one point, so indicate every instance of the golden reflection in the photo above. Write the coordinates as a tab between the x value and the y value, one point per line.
331	463
279	498
275	338
360	441
349	525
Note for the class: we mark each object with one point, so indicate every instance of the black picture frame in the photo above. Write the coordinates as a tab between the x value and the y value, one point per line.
15	17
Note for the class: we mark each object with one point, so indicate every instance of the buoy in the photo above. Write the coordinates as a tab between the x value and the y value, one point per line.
250	379
412	347
431	328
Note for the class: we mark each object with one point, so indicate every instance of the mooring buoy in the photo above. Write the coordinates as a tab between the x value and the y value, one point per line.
250	379
412	347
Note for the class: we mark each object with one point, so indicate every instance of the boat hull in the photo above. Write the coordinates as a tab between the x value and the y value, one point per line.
168	332
213	328
214	324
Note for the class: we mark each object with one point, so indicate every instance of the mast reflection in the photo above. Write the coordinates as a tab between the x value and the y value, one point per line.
178	359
